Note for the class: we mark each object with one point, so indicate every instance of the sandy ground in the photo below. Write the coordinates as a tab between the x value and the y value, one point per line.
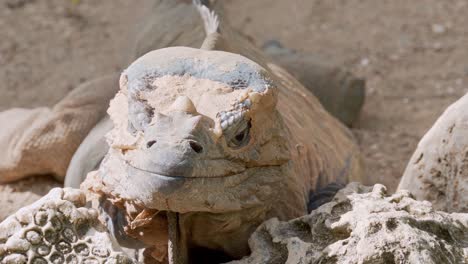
412	53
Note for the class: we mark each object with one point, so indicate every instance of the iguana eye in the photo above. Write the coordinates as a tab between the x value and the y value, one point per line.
241	137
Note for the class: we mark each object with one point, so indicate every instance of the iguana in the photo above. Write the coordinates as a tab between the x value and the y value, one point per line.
208	143
43	140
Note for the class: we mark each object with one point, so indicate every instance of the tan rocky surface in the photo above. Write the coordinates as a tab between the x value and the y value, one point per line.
48	48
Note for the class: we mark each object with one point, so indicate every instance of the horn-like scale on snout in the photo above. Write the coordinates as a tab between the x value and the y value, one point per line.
184	104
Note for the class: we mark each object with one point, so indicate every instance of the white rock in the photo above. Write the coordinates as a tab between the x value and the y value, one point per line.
364	225
59	224
438	169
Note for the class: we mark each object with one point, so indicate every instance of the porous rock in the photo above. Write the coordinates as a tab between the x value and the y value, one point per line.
57	229
364	225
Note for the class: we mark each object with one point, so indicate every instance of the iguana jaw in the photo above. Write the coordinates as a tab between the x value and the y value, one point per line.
249	189
182	177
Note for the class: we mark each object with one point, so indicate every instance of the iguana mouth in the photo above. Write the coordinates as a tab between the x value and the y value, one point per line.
175	177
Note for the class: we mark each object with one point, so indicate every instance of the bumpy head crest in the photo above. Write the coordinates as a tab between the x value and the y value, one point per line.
187	120
229	70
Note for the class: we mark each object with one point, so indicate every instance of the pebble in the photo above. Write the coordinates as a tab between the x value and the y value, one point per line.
364	62
438	28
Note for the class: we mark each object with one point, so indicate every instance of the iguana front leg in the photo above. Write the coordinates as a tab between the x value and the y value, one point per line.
43	140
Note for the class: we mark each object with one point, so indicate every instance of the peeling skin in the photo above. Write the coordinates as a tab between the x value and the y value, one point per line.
209	98
221	179
179	145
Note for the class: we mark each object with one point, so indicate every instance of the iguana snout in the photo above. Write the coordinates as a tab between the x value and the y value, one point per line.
176	142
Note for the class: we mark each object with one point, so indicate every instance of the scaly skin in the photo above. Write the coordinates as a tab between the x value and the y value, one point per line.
224	140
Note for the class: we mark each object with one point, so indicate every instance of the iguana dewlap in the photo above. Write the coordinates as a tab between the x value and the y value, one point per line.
221	140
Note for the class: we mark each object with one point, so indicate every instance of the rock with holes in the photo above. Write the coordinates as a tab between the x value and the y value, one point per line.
364	225
438	170
57	229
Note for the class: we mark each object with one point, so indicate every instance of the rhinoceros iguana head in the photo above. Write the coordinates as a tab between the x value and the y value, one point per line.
186	118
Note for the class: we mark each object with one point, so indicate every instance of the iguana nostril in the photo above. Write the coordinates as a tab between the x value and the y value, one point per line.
196	147
150	143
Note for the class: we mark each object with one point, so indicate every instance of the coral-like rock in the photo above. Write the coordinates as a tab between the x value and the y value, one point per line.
364	225
360	225
57	229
